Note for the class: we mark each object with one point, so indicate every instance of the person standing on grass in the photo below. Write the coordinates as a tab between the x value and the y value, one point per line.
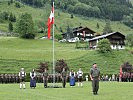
63	77
95	77
33	79
45	78
72	78
22	75
80	76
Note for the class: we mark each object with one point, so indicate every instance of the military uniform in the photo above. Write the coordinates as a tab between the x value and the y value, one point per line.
2	78
95	73
63	74
45	79
6	78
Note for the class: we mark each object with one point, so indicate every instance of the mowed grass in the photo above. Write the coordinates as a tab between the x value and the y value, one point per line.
16	53
107	91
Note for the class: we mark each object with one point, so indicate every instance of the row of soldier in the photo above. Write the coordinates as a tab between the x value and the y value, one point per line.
9	78
14	78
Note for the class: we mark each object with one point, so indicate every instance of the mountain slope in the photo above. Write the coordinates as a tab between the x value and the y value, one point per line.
62	20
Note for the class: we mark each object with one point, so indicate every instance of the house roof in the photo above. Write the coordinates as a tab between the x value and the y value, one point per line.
82	28
106	35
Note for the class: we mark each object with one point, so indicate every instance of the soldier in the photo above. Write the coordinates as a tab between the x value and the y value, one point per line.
45	78
95	77
33	79
13	78
2	78
63	76
17	78
22	75
6	78
80	76
9	76
132	77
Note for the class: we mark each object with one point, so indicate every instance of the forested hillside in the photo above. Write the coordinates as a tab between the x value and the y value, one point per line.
110	9
83	13
115	10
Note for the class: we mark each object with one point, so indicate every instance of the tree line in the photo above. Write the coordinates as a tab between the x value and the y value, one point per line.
114	10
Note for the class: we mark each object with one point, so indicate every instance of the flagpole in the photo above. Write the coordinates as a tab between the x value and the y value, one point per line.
53	56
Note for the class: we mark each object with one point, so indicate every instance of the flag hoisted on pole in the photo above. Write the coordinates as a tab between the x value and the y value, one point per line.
49	24
50	21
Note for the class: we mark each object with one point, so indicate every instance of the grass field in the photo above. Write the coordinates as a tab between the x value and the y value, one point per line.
107	91
16	53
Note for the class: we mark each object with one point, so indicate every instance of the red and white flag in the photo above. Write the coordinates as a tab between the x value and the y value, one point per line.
50	21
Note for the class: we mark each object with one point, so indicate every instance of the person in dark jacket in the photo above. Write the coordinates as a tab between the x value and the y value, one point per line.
95	77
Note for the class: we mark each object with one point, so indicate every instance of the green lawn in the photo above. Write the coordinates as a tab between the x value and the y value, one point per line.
16	53
107	91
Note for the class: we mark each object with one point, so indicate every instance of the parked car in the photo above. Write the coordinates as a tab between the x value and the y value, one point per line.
64	40
73	40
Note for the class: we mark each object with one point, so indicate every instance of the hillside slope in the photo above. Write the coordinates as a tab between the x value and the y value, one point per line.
17	53
62	20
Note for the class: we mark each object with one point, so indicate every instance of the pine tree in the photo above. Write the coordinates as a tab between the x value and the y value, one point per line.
72	16
98	26
107	29
10	27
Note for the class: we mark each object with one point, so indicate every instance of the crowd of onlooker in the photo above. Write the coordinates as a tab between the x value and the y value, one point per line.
109	78
125	77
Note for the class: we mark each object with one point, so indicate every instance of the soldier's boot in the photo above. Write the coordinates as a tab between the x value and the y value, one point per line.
20	85
78	84
81	84
24	85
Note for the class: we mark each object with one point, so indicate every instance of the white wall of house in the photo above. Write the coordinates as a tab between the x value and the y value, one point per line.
117	47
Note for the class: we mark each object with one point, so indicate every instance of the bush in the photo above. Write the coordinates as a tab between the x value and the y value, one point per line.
25	26
4	15
58	37
28	36
60	64
17	5
129	40
43	66
104	46
10	27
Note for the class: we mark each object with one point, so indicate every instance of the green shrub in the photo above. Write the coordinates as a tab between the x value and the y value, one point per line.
58	37
104	46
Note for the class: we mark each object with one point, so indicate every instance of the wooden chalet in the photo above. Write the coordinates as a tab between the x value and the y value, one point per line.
116	39
83	33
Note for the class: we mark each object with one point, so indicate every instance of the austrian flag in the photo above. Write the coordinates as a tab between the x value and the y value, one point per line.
50	21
